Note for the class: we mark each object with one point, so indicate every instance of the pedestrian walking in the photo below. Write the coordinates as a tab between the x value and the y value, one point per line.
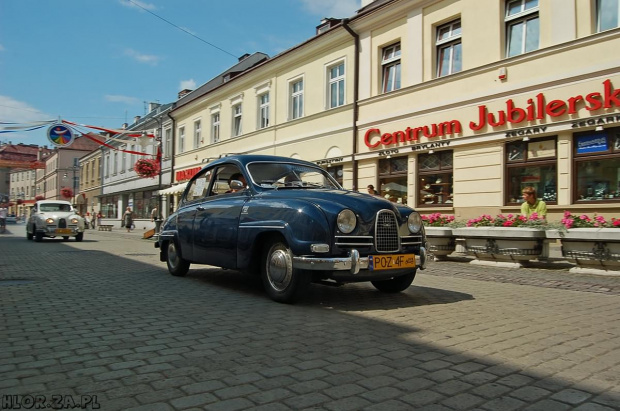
99	218
128	219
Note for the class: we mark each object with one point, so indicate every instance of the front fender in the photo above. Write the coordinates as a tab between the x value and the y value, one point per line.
299	222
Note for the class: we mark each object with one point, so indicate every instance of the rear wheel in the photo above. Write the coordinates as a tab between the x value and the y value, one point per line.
176	264
282	282
396	284
38	237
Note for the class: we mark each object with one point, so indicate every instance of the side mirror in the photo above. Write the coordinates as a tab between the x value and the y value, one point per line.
236	185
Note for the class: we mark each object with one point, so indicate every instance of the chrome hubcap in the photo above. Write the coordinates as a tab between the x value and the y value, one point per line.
172	255
279	270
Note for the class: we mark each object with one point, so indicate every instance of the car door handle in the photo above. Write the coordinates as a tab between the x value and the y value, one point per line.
200	208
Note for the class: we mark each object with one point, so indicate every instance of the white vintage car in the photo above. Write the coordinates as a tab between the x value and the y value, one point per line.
54	218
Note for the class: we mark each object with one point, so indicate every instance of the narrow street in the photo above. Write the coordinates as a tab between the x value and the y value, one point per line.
102	322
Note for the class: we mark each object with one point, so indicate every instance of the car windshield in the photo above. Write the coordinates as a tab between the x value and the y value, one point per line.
54	207
290	175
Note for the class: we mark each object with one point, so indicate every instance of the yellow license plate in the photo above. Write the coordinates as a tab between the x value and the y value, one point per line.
391	261
64	231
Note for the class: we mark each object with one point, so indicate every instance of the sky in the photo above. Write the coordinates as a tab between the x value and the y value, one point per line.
100	62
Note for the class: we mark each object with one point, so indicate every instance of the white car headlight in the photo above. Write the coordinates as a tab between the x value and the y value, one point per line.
414	222
346	221
74	221
49	221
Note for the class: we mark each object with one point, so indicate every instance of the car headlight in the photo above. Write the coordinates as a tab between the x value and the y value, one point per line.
74	221
49	221
414	222
346	221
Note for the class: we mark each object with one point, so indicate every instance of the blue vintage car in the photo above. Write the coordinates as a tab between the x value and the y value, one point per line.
291	222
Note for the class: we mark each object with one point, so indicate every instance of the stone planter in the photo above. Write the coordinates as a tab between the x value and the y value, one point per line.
441	241
594	250
509	247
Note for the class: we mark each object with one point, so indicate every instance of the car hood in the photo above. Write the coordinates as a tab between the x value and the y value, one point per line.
365	205
58	214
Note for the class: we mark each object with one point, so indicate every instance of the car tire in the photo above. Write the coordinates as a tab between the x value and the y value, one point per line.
176	264
38	237
396	284
79	237
65	238
281	281
29	236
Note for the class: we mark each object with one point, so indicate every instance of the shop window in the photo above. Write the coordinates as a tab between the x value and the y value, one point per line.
435	174
336	172
393	179
531	163
597	166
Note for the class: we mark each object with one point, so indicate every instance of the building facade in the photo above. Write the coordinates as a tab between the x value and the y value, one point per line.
447	106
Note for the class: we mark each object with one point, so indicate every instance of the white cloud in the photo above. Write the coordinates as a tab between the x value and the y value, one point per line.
187	84
142	58
332	8
121	99
137	4
15	111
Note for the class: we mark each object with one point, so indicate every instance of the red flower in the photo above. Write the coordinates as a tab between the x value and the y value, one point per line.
66	192
147	168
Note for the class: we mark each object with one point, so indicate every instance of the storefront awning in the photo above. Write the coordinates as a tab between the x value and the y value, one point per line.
174	189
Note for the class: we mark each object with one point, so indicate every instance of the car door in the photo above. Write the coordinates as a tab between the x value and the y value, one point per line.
193	197
216	223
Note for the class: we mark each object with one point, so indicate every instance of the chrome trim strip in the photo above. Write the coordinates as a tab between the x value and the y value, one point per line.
353	263
261	226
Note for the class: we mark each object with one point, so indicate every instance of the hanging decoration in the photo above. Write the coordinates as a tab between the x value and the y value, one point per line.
60	135
66	192
20	201
147	168
39	197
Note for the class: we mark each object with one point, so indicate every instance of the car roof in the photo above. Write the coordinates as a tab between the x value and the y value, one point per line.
53	202
245	159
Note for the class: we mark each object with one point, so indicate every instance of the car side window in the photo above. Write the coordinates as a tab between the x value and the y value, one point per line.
222	179
198	187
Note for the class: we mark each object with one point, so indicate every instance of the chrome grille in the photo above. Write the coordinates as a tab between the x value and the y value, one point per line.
386	232
62	223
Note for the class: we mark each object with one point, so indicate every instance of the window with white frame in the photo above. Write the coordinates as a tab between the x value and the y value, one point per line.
335	93
390	63
115	165
522	26
215	127
123	159
449	52
607	14
197	138
167	143
237	115
133	156
297	98
263	110
181	139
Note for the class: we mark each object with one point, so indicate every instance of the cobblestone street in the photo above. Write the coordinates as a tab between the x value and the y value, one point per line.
104	318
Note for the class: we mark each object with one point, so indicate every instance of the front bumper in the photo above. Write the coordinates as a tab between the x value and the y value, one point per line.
352	263
54	231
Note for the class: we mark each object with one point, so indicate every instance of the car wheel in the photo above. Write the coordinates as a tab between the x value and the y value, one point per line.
65	238
79	237
282	282
28	235
38	237
176	265
396	284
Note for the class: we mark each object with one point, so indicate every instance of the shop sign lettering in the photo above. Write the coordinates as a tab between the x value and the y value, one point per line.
537	108
428	146
526	131
183	175
330	161
595	121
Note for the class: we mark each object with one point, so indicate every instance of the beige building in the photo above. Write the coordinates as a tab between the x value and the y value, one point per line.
447	106
90	181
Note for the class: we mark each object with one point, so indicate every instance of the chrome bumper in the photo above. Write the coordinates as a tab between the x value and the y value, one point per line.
353	263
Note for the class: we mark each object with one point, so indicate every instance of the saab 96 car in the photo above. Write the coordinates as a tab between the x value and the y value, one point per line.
291	222
54	218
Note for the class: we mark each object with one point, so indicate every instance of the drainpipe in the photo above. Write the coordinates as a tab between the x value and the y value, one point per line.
356	38
173	147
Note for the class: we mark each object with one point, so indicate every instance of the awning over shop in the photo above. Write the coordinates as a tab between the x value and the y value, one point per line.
174	189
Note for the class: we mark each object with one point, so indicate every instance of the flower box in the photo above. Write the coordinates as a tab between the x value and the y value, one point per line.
513	246
597	250
441	241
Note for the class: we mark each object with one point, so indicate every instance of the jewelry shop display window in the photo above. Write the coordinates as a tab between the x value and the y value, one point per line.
435	173
532	164
393	179
596	161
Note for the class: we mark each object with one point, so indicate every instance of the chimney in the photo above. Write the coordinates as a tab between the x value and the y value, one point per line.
136	119
245	56
153	106
184	92
124	126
